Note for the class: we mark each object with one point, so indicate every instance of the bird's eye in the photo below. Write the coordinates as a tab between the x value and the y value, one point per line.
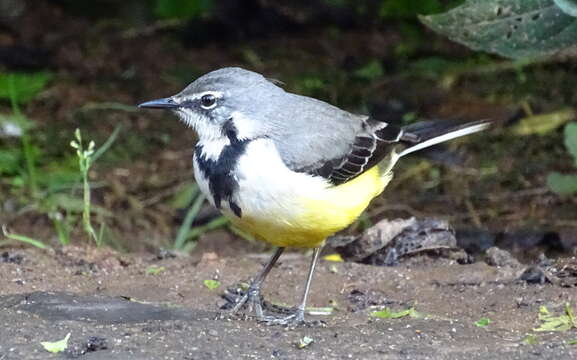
208	101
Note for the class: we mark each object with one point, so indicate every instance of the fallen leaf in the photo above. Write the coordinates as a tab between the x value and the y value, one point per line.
386	313
211	284
56	346
304	342
483	322
333	257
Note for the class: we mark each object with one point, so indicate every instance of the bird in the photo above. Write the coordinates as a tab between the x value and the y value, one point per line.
289	169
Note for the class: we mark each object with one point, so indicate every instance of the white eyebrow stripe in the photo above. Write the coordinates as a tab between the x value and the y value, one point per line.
216	94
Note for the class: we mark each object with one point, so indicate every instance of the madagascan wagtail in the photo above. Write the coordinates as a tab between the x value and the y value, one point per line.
290	169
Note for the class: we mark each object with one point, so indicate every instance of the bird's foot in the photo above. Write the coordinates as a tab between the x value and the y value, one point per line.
238	299
251	301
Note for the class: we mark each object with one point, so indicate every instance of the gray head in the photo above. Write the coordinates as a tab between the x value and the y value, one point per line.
222	101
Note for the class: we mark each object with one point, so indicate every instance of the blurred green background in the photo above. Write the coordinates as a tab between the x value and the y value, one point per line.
67	65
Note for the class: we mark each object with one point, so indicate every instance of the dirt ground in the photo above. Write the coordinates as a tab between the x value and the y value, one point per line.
114	308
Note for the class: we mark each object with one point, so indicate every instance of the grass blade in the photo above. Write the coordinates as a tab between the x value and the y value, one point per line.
182	234
25	239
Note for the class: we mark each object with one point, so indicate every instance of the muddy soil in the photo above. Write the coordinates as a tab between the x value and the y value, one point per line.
115	308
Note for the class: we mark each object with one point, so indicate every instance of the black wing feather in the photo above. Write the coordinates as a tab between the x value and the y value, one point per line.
376	140
369	147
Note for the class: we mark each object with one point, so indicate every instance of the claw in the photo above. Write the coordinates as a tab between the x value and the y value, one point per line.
238	299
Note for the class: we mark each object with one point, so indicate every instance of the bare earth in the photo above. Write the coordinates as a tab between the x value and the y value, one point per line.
114	309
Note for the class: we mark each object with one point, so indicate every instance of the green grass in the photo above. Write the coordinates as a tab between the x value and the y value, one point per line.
54	194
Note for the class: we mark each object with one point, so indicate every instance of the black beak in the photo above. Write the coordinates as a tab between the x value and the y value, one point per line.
166	103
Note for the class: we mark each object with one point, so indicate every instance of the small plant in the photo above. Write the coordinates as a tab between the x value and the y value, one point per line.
54	193
85	160
19	89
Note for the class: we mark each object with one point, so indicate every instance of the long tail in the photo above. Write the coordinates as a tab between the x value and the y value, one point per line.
428	133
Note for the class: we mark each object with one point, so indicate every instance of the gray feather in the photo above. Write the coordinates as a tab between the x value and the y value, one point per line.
310	135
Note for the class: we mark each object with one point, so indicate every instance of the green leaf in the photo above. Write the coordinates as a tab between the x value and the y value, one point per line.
511	28
543	124
25	85
211	284
24	239
562	184
56	346
569	7
386	313
183	9
550	322
572	342
571	140
483	322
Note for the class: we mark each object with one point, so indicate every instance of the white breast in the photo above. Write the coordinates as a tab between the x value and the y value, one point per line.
267	188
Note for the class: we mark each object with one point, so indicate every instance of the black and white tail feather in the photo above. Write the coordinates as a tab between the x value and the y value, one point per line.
384	142
430	133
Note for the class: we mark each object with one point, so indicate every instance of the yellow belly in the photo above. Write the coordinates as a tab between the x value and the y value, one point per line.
321	213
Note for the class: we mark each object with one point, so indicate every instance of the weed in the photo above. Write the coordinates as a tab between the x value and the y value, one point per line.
85	161
48	194
19	90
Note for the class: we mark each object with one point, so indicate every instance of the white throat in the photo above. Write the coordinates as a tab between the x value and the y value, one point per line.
206	130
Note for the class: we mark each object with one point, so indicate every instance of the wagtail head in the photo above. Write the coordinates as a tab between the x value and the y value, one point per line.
228	102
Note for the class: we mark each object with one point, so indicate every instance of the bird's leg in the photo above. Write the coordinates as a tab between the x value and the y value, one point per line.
298	317
252	295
